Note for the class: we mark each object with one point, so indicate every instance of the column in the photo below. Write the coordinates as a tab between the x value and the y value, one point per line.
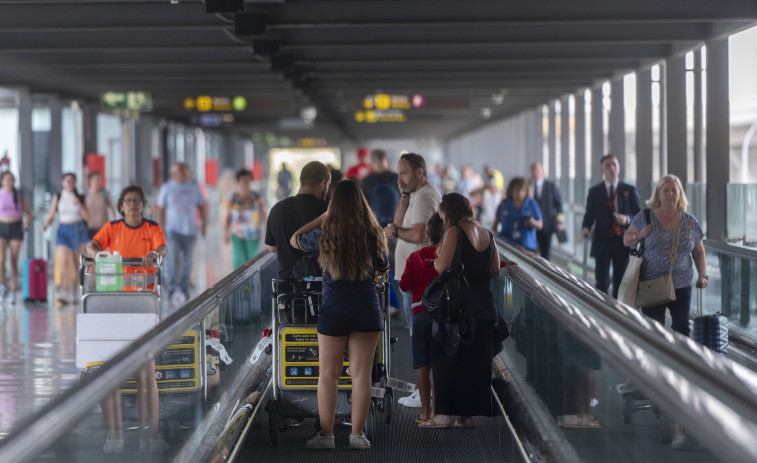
55	147
550	167
580	139
27	169
675	95
699	158
565	147
718	140
644	155
597	134
618	123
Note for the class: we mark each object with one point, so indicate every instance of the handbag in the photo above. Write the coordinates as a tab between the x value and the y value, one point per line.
660	290
448	295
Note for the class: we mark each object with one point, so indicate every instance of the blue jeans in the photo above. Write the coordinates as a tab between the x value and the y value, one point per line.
179	245
679	311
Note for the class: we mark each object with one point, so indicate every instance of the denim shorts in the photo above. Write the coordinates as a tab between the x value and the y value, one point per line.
71	235
421	340
11	231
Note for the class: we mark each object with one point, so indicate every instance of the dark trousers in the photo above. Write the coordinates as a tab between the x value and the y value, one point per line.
614	253
679	311
545	243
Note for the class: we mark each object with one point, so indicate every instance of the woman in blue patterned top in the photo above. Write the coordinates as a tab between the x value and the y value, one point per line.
668	204
519	215
353	250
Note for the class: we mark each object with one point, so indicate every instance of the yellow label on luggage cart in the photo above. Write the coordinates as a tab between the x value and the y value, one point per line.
298	358
178	367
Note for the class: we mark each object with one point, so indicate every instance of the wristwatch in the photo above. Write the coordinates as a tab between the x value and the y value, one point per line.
705	277
395	233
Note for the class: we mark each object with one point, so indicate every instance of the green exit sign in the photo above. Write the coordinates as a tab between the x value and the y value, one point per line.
126	101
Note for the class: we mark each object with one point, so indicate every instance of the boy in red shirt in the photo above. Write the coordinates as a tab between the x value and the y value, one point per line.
419	271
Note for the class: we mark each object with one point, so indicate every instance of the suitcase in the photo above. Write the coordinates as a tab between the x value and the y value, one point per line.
34	284
711	330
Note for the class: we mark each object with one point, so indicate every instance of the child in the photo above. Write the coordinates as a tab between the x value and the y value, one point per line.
419	271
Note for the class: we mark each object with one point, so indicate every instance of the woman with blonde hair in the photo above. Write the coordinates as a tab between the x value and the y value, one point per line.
353	250
668	205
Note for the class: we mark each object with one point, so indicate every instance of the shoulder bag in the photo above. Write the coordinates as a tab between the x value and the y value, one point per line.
660	290
448	294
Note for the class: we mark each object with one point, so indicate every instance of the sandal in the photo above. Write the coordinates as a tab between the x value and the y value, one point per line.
459	423
431	423
569	421
418	419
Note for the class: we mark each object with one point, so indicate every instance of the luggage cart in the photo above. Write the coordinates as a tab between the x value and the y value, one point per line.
295	305
180	370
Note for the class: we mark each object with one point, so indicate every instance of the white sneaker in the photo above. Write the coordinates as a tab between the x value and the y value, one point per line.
10	296
321	442
178	299
412	401
359	442
113	445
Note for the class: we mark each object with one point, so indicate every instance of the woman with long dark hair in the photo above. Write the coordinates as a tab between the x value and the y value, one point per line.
353	251
13	208
462	381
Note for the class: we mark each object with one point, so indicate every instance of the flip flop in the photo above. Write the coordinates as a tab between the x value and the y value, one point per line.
591	424
431	423
569	421
419	420
459	424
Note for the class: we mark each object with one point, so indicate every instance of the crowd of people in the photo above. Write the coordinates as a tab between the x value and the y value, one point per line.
407	221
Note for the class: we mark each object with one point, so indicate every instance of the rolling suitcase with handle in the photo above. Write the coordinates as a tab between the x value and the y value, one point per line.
34	281
710	330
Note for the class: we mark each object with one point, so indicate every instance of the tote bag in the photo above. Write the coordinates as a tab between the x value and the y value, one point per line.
660	290
629	286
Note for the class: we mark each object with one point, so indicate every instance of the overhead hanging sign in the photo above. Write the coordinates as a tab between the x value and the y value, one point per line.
372	117
206	103
383	101
126	101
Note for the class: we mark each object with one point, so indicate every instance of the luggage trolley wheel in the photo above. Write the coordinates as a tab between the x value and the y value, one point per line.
388	404
274	422
627	402
370	423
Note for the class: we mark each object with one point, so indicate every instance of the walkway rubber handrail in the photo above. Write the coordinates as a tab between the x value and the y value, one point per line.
40	430
716	398
731	250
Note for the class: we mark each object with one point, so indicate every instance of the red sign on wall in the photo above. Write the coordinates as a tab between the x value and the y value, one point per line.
96	163
211	172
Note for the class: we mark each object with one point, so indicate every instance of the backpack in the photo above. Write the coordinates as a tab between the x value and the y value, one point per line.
384	200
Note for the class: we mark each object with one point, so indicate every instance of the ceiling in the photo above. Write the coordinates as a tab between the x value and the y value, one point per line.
461	56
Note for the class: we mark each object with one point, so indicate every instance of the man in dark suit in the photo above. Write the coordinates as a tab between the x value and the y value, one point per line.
548	196
610	207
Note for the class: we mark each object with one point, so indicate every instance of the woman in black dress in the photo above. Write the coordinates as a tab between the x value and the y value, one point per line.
353	251
462	381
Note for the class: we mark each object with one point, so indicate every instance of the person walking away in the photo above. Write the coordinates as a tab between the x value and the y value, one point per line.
418	202
289	214
284	181
72	233
98	202
610	206
245	219
519	215
353	251
548	196
668	204
380	189
177	202
362	169
462	379
15	217
419	272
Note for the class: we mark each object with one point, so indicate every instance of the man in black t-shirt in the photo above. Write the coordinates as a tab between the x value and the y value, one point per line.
289	214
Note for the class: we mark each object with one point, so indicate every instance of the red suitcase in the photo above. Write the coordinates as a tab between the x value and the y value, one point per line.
35	279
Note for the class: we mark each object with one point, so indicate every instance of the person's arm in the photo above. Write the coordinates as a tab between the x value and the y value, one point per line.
162	216
399	214
27	213
51	213
149	259
407	281
633	235
588	217
110	206
263	215
308	227
203	218
227	225
700	262
447	251
557	203
535	220
93	248
273	249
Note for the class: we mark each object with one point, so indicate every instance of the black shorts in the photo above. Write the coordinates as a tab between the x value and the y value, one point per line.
11	231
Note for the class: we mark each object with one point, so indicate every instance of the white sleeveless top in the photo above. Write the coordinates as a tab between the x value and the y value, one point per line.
69	208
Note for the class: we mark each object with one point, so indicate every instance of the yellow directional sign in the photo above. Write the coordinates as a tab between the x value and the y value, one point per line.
126	101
